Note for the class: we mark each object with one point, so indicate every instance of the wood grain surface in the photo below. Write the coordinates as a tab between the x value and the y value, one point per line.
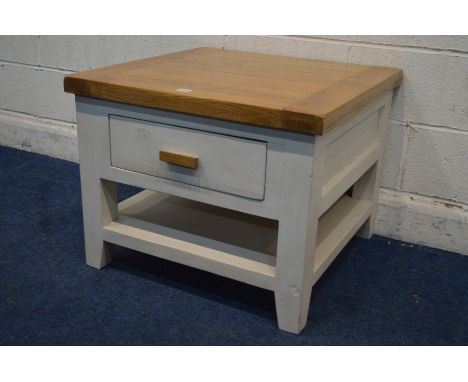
179	159
302	95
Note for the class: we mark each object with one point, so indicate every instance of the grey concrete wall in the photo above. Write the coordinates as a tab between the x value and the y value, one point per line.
427	151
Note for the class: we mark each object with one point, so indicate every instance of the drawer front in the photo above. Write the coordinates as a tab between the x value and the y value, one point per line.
214	161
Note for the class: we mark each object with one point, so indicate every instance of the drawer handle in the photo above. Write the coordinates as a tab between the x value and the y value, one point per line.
178	159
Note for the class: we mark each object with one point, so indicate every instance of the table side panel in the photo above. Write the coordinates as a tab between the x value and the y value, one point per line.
345	149
351	149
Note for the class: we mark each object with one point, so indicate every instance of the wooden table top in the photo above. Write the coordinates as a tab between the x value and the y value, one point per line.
307	96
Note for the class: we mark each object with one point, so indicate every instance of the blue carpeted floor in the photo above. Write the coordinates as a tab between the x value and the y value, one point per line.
378	292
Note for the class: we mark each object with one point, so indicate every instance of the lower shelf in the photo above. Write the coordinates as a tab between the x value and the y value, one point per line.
210	238
221	241
336	227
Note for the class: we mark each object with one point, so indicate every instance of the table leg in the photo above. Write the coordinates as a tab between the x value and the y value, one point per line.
99	196
293	286
297	233
367	188
99	207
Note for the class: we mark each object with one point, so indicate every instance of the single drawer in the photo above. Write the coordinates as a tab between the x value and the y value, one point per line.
214	161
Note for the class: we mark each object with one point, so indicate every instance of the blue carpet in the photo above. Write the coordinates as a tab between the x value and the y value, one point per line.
378	292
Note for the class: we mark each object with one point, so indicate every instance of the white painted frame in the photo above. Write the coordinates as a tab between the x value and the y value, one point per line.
315	218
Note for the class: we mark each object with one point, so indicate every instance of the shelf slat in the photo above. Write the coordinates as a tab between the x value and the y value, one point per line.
336	227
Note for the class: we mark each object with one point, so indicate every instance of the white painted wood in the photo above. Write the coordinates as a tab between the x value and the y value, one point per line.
343	180
350	150
198	219
225	163
307	167
367	187
99	196
301	179
336	227
198	252
99	112
304	178
344	149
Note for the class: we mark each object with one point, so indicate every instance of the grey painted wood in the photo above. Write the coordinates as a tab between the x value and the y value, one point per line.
367	187
225	163
304	183
99	196
302	179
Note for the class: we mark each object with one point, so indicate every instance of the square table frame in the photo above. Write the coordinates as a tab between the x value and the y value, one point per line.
322	190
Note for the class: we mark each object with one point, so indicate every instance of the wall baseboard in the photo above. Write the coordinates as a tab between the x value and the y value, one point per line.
39	135
423	220
409	217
